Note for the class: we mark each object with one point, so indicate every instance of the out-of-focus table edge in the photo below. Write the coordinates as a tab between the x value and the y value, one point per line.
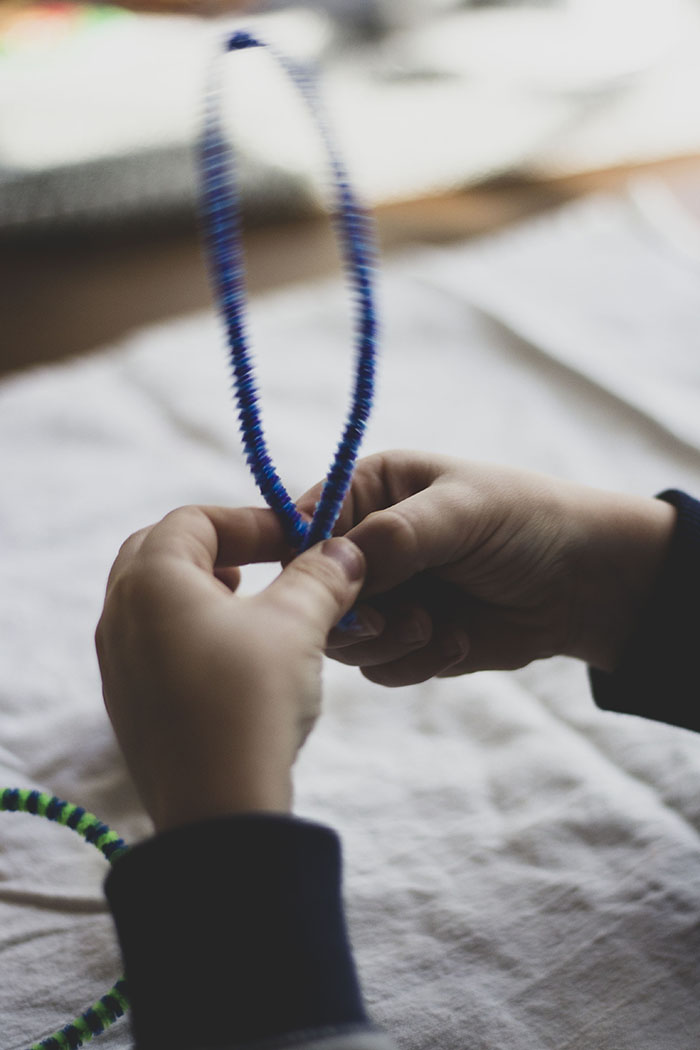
66	291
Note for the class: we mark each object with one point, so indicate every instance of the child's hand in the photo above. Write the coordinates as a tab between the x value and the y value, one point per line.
211	695
473	567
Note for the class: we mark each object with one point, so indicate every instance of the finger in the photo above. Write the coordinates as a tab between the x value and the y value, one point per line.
446	649
247	535
217	536
424	531
407	629
379	481
321	585
368	623
502	642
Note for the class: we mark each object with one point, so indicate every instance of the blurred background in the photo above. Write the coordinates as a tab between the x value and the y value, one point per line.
455	118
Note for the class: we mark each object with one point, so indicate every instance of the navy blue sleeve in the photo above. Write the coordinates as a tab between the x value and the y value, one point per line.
232	931
659	674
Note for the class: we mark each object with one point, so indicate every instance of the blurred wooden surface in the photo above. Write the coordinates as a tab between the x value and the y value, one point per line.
65	294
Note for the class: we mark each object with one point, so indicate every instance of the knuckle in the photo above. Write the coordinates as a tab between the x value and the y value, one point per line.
127	551
392	530
134	594
176	525
182	514
133	542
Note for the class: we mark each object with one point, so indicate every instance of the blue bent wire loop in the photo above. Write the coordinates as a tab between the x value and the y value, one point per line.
221	213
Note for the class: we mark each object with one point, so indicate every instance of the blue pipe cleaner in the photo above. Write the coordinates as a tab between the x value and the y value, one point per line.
220	207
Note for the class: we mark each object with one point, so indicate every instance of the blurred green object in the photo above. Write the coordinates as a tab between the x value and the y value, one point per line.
31	27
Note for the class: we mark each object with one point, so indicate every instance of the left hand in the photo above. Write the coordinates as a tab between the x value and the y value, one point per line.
481	567
211	695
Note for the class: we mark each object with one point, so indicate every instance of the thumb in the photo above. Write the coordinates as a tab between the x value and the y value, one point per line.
322	584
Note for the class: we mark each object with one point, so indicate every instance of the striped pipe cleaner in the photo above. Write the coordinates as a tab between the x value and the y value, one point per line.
221	214
115	1002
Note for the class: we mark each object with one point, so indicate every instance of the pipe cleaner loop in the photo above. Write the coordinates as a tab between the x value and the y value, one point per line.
221	213
114	1003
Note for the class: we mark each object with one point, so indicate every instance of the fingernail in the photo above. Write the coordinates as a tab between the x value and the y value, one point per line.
346	554
456	647
367	624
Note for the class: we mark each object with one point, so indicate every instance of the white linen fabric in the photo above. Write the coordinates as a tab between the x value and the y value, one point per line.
522	870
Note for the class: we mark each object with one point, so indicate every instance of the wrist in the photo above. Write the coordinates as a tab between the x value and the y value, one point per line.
195	801
624	543
223	774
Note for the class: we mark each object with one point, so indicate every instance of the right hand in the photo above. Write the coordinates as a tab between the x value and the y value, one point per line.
474	567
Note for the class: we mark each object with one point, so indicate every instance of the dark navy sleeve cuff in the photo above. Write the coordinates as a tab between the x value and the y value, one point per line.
658	674
232	931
